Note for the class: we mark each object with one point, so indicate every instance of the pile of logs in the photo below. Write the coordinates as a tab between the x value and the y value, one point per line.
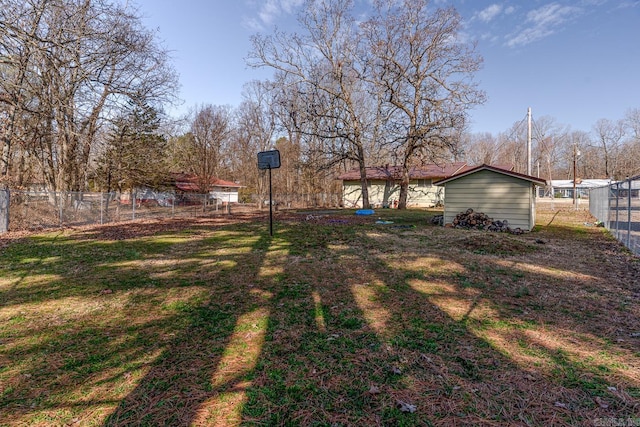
479	221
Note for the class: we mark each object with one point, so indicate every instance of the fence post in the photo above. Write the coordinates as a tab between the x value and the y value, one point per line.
61	213
617	211
629	213
609	207
4	210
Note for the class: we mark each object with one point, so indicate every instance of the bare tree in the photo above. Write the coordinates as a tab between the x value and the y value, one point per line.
70	66
590	164
549	141
254	131
609	136
17	29
426	74
313	161
324	67
575	147
207	144
512	147
610	150
480	148
631	148
632	122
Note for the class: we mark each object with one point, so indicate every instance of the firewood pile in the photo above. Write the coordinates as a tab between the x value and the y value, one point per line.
479	221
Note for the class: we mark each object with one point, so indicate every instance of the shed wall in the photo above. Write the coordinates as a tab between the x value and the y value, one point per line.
498	196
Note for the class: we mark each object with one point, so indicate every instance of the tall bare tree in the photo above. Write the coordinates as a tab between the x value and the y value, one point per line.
480	149
549	140
314	161
512	147
17	30
574	147
609	135
425	71
207	144
632	143
254	132
632	122
324	67
70	65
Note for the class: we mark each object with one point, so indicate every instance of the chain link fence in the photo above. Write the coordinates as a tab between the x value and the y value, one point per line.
35	210
303	201
29	210
617	206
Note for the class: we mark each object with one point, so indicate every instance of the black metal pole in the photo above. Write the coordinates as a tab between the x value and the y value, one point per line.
270	206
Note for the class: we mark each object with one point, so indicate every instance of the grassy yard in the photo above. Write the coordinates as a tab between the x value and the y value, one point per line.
334	321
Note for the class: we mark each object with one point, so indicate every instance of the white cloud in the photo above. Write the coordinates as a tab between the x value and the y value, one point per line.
252	24
596	3
269	11
550	14
543	22
289	6
626	4
490	12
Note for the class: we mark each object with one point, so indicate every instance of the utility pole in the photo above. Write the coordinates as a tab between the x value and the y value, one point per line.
529	141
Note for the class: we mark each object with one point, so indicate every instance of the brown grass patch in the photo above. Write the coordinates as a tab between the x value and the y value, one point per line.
336	320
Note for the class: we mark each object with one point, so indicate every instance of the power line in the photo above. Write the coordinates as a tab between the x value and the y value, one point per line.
514	130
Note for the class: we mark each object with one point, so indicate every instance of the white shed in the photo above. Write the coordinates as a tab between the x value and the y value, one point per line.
499	193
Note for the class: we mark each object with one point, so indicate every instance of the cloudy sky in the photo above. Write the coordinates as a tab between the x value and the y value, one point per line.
575	61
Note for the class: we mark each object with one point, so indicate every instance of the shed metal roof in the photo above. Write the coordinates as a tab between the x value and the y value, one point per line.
467	172
431	171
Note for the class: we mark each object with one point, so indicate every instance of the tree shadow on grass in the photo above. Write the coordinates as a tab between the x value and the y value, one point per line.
332	324
378	334
160	319
358	334
196	365
563	367
320	358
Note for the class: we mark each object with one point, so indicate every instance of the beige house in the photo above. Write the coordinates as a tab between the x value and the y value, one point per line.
384	185
499	193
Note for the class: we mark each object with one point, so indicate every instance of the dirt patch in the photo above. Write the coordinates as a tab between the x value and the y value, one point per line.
326	218
495	244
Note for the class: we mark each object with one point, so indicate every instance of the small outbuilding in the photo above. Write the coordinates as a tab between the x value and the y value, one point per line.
498	193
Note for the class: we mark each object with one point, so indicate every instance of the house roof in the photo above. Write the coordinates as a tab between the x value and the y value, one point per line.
467	172
499	166
581	183
189	182
431	171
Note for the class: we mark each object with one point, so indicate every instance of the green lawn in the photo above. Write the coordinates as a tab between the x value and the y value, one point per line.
333	321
